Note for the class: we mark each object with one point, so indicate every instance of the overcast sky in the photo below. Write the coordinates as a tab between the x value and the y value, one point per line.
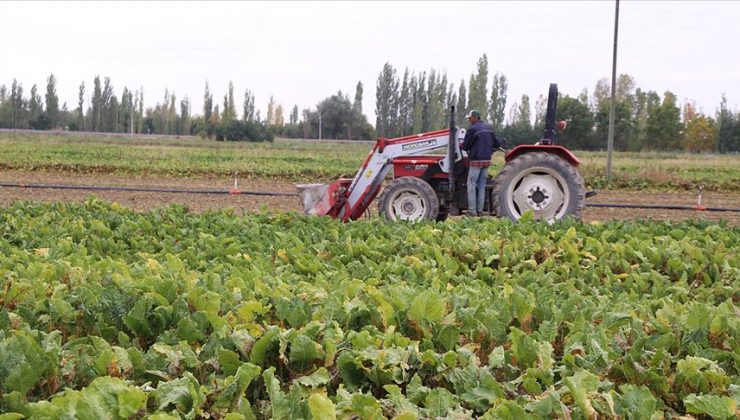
303	52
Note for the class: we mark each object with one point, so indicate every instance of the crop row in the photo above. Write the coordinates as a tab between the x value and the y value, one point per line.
314	161
106	313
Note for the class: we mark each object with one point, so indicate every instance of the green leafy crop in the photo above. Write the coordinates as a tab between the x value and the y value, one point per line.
107	313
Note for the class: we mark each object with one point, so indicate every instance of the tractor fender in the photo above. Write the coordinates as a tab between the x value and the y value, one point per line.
548	148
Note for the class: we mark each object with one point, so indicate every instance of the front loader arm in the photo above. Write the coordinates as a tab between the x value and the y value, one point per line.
346	200
368	180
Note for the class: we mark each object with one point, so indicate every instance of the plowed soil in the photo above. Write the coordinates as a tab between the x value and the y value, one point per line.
241	203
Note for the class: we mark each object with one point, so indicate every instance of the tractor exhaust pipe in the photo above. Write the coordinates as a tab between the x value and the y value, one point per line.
550	134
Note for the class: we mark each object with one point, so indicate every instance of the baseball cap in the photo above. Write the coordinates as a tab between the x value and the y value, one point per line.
473	113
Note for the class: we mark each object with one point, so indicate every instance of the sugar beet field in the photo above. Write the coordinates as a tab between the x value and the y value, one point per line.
149	306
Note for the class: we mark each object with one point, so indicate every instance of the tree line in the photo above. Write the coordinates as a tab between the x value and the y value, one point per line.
100	110
408	103
644	120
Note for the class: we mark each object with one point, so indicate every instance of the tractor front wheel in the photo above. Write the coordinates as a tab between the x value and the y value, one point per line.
542	182
409	198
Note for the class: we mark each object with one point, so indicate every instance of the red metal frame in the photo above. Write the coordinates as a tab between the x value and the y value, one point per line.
413	165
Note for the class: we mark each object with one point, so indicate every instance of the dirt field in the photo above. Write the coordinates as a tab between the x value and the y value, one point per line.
142	201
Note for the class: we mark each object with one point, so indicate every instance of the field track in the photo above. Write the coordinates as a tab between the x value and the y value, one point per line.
142	201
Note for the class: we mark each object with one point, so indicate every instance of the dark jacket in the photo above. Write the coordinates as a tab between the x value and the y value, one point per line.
480	142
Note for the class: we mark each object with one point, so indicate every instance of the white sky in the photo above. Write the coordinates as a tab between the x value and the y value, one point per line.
302	52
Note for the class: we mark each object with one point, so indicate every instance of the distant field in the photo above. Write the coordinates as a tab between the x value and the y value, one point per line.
174	157
314	161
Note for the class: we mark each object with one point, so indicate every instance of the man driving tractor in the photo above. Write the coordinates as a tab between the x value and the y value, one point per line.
480	142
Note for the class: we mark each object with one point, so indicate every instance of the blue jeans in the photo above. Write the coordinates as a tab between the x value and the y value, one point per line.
476	189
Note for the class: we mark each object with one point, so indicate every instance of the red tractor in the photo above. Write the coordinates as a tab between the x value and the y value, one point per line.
541	177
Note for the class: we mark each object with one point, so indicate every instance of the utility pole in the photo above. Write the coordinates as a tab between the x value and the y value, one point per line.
610	141
319	125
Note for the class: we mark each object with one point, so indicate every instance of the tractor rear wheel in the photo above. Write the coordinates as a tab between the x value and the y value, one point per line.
542	182
409	198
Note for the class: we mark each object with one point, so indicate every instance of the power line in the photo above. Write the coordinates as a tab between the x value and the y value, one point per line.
682	48
691	15
713	28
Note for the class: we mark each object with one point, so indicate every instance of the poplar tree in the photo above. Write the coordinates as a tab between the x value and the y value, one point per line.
294	115
386	102
52	102
112	116
80	107
437	99
725	123
124	113
231	113
109	108
215	116
184	126
429	105
279	119
420	98
172	120
602	94
405	105
271	111
159	115
643	104
639	119
461	108
356	115
225	114
478	90
140	124
207	103
17	106
96	104
525	113
3	105
130	121
248	111
357	104
540	111
411	105
734	144
35	109
449	102
498	101
438	118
